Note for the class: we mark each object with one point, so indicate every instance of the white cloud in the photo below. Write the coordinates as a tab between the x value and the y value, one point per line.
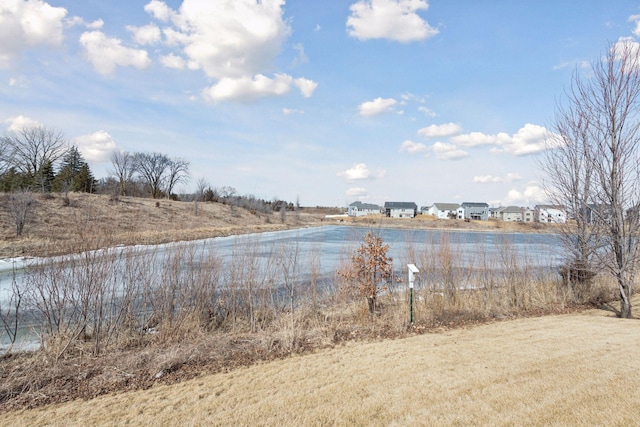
491	179
446	151
625	44
636	20
377	106
357	192
105	53
173	61
248	89
226	38
76	20
358	172
306	86
25	24
413	147
233	42
427	112
530	139
159	10
440	131
18	123
96	147
145	35
475	139
95	25
530	196
289	111
302	57
389	19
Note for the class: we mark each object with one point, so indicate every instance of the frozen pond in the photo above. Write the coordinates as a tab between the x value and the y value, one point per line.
330	245
319	251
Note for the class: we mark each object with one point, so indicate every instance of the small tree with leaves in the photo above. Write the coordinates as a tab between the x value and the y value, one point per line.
370	269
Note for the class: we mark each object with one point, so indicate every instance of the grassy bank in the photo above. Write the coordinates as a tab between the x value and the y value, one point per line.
553	370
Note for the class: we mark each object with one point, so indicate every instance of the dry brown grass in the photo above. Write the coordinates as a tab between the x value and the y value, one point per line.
555	370
57	228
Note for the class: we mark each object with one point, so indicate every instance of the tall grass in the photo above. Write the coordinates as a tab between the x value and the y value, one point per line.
265	299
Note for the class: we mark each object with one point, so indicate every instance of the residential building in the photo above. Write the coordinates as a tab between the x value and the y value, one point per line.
400	209
550	214
362	209
474	210
443	210
512	214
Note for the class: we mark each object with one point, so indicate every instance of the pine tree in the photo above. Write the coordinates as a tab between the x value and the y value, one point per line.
74	173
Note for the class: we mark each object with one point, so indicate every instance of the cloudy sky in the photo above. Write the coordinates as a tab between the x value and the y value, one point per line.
325	101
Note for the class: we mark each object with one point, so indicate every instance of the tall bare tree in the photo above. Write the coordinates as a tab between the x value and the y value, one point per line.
598	157
152	168
32	147
177	172
123	169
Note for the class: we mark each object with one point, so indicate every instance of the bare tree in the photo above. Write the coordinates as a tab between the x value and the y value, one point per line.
5	156
31	147
152	168
177	172
600	148
122	168
20	208
569	181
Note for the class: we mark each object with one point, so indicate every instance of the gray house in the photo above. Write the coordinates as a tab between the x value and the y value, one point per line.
362	209
400	209
474	210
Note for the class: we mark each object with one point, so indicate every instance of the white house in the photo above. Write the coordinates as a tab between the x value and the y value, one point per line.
550	214
400	209
362	209
443	210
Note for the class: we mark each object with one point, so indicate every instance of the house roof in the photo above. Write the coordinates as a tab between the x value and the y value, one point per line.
561	208
512	209
474	205
400	205
361	205
446	206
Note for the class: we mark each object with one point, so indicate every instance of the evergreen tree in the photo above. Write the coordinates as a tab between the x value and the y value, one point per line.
74	173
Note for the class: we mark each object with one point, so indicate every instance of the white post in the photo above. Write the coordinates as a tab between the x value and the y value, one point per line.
412	271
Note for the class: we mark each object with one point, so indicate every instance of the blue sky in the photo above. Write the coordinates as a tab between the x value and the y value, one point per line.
327	102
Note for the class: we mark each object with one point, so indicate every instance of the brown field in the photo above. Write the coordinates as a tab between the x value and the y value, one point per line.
574	369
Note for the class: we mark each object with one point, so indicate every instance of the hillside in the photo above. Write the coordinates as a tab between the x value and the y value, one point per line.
96	220
553	370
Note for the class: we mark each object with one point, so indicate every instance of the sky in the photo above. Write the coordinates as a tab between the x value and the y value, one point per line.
323	102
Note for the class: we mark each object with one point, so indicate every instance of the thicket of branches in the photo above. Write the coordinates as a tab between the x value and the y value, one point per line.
592	167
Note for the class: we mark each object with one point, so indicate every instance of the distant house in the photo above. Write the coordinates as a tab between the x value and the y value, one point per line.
550	214
362	209
474	210
400	209
598	214
443	210
512	214
527	214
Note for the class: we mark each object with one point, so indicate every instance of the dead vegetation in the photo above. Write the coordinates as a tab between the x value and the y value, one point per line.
187	317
